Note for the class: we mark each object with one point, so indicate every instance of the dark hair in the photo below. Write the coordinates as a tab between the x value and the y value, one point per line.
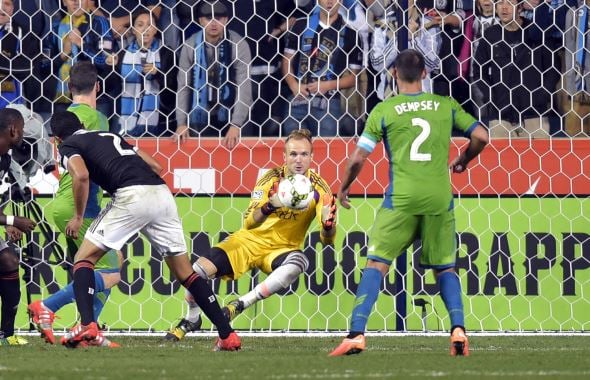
299	134
83	77
143	11
64	124
8	117
409	65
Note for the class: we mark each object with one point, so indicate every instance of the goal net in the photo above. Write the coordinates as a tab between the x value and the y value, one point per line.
522	210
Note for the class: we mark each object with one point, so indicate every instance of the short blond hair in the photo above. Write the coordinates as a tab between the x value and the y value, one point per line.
299	134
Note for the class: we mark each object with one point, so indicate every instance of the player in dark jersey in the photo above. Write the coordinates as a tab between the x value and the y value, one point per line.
11	136
141	201
415	128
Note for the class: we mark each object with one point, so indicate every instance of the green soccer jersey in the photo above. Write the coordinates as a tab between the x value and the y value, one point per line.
416	132
63	205
92	120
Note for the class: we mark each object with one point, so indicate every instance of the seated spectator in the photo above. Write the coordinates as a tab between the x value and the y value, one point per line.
321	57
143	68
18	50
214	90
516	76
83	35
577	67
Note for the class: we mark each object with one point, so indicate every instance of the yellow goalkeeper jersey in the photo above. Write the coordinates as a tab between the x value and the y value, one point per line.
284	230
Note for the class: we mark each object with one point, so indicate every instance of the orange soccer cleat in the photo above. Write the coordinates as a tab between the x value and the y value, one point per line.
231	343
80	333
350	346
43	319
459	342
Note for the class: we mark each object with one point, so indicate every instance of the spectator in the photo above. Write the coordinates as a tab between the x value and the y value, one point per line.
263	23
426	37
119	12
577	67
516	76
484	17
450	15
144	66
18	50
83	35
321	57
214	90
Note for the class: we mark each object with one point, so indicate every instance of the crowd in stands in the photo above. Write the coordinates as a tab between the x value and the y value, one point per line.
240	68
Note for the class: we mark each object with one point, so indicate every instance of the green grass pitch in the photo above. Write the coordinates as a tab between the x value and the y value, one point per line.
545	357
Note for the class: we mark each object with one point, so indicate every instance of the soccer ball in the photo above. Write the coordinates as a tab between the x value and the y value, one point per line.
296	191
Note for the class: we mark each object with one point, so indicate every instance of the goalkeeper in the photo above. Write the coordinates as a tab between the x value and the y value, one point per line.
271	238
83	84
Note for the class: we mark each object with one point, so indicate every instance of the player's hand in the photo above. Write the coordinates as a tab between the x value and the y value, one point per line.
24	224
273	200
328	212
459	164
73	227
273	196
343	198
14	234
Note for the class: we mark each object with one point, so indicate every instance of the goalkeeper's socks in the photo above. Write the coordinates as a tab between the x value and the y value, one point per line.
366	296
84	290
450	291
207	301
10	294
66	296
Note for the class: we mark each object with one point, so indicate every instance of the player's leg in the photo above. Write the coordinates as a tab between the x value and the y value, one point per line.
284	269
204	297
213	264
9	294
392	233
439	249
165	233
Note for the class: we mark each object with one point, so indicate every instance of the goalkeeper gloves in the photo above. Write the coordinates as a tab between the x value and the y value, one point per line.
273	200
328	212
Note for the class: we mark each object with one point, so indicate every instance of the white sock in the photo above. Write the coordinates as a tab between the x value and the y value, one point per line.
193	313
279	279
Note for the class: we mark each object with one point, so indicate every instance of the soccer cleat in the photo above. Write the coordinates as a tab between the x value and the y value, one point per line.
184	326
80	333
233	309
459	342
13	340
350	346
231	343
42	318
102	341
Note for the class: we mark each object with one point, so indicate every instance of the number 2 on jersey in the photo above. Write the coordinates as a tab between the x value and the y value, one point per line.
415	155
117	144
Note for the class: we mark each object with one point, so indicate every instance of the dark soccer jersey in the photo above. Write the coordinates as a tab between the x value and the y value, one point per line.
112	162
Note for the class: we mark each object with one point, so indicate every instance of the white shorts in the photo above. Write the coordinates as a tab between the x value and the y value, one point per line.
149	209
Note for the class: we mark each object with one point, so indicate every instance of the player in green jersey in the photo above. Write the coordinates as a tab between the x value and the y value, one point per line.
415	128
83	86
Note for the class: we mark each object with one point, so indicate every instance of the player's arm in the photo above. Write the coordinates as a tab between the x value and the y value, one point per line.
477	141
15	225
80	187
264	202
155	165
353	168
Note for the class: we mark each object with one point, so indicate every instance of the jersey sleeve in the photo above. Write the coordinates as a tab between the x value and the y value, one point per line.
66	151
259	196
462	120
373	130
